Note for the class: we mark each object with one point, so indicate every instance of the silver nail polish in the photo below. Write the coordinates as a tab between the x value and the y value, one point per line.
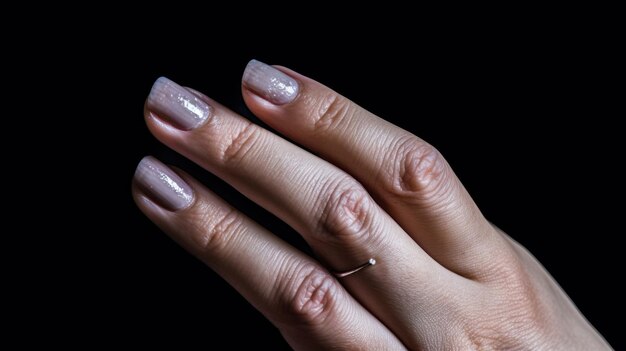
177	105
163	185
270	83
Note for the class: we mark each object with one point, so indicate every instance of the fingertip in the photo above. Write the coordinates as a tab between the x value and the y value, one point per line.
270	83
257	104
153	211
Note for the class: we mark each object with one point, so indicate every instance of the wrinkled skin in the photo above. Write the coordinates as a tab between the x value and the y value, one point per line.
358	187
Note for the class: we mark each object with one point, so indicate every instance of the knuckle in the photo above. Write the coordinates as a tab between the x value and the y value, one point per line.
518	302
218	231
240	144
418	172
524	303
504	327
311	297
330	112
506	269
347	214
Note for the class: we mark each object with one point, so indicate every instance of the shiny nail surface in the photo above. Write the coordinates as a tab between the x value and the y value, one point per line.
178	105
270	83
163	185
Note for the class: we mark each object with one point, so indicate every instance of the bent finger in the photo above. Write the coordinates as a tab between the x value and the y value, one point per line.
329	208
312	310
409	177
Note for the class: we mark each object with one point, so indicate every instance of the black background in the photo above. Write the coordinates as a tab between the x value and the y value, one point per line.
521	118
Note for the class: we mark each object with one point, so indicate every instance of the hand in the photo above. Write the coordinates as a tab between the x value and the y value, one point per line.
444	278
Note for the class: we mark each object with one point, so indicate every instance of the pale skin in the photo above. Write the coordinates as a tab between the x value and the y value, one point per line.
359	188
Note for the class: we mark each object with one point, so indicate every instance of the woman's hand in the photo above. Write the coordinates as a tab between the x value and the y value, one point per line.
444	278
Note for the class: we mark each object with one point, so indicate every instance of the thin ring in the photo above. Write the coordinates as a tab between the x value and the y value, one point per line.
369	262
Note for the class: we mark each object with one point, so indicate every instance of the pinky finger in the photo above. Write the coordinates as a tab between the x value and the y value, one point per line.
311	309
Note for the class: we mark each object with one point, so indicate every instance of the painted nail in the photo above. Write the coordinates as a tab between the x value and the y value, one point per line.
269	83
178	105
163	185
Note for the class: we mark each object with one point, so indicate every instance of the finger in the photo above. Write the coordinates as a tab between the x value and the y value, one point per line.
307	304
407	175
332	211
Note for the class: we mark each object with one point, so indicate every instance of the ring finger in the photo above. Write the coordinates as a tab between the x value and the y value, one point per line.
299	296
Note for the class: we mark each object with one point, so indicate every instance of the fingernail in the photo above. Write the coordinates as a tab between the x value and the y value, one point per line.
178	105
163	185
269	83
